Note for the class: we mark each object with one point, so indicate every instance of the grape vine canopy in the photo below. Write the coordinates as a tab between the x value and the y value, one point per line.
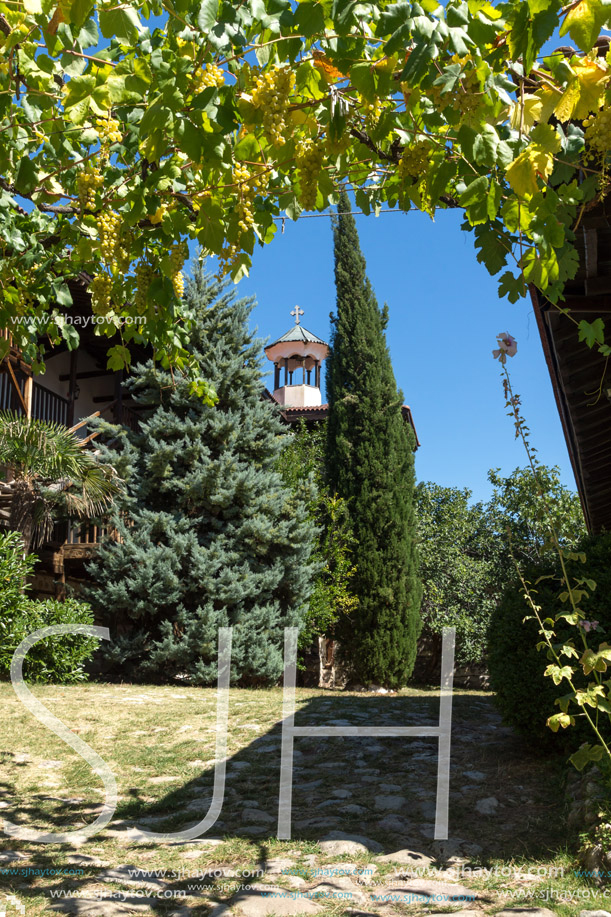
129	128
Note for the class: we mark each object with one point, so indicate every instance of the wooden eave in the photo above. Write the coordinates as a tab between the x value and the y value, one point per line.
579	375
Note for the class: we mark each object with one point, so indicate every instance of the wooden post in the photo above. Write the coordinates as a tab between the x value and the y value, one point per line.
60	571
28	393
118	409
72	389
16	386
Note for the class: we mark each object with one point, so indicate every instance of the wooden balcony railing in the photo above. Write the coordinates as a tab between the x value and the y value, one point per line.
9	399
48	405
85	533
78	539
129	418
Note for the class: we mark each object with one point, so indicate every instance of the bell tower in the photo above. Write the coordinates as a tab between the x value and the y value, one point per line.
297	357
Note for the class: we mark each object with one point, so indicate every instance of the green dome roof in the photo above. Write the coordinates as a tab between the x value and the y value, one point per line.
298	333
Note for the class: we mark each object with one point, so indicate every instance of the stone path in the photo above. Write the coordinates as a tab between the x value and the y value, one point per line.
362	831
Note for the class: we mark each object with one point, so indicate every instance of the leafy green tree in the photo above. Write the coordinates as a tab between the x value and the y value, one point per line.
129	129
302	467
463	567
50	472
522	514
370	464
466	550
210	535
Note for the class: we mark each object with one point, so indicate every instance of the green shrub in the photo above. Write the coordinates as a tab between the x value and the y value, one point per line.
14	570
58	659
524	695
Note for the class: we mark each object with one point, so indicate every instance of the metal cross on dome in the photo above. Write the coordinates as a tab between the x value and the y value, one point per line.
297	312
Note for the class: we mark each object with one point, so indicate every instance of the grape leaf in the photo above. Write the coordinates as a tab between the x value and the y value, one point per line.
584	22
207	15
122	23
118	357
511	287
592	332
524	171
585	755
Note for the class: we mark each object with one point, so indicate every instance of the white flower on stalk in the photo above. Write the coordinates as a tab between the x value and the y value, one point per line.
508	347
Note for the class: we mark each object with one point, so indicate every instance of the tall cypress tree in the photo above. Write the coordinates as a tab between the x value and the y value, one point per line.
210	535
370	463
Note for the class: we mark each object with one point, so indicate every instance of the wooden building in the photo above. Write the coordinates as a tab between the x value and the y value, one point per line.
75	387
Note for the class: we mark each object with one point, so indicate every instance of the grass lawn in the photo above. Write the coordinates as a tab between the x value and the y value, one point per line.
507	808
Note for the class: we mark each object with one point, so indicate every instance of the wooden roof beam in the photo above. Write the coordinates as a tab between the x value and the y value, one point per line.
590	238
596	303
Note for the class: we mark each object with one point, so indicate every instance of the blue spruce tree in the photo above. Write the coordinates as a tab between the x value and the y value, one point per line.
210	535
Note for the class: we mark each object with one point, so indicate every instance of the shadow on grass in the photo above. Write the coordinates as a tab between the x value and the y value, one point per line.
382	791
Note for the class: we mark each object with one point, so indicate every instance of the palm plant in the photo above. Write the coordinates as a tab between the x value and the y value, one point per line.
49	468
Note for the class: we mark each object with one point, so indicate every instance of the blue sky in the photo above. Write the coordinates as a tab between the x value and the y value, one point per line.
445	314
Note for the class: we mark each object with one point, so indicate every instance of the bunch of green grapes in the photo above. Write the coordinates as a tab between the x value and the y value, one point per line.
439	99
468	101
144	276
24	280
25	299
242	179
271	94
109	224
414	160
598	130
259	179
123	254
178	282
87	183
109	131
24	302
248	185
178	255
309	159
227	258
211	75
101	293
372	112
469	107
